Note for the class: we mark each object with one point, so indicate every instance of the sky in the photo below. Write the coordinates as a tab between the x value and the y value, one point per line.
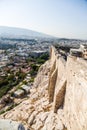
60	18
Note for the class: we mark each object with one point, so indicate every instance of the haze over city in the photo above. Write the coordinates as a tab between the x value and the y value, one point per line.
60	18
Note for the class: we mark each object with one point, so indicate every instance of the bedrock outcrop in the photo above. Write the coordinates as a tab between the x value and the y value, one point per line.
58	99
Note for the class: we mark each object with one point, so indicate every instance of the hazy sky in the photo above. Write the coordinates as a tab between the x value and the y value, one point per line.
62	18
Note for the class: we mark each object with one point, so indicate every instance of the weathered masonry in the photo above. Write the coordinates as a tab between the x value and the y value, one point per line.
68	87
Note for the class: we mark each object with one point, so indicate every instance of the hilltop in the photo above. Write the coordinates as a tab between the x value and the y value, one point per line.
21	32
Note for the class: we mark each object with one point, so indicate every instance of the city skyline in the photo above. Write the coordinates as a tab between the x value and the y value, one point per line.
54	17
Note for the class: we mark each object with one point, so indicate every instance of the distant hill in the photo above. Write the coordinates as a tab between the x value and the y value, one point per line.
20	32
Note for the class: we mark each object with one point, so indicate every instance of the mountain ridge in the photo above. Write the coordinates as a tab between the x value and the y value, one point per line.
21	32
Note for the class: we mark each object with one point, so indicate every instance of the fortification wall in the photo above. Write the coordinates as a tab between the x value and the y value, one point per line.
68	90
57	72
75	107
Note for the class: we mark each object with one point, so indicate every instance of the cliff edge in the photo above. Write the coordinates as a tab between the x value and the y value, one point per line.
58	98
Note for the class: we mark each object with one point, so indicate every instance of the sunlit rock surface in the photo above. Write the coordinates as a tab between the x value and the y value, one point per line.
58	99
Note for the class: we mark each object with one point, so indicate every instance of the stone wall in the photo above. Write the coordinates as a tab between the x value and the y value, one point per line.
53	74
52	82
68	89
75	108
57	71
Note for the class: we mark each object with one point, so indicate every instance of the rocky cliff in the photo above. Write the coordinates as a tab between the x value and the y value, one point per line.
58	98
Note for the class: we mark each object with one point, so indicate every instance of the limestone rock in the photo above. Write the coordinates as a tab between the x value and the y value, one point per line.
53	122
32	118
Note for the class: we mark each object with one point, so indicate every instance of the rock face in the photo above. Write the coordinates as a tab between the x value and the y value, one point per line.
58	99
34	111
